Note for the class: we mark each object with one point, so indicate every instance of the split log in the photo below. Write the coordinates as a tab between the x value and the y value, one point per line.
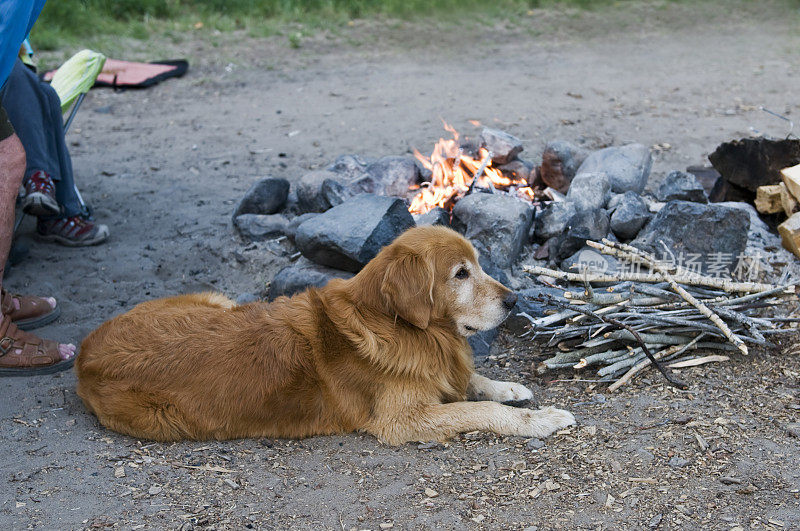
768	198
791	178
790	234
774	198
788	201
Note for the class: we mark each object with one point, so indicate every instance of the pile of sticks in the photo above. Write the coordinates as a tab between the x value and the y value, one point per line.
643	319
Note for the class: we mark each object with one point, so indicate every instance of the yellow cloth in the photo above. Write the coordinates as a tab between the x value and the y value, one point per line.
77	76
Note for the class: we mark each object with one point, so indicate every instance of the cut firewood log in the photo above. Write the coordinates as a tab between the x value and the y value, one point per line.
790	234
768	198
791	178
788	201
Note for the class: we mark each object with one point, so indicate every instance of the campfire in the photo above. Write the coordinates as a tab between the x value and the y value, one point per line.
458	167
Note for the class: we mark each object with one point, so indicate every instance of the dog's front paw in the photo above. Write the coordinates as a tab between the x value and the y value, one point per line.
542	422
515	392
507	392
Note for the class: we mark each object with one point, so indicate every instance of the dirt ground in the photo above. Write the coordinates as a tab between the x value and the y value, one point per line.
164	167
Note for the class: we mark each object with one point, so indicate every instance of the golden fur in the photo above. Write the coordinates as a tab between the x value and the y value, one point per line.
384	352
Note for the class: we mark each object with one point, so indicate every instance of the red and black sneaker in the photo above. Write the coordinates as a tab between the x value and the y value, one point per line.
40	195
72	232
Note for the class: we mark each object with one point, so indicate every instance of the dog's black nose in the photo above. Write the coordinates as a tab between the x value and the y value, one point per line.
510	300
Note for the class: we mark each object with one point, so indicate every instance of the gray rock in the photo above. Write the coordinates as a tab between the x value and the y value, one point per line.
366	184
436	216
553	219
630	215
759	236
247	298
535	444
560	163
266	196
291	202
349	166
517	169
396	174
589	191
627	167
761	241
655	521
678	462
613	203
291	228
481	342
309	191
591	260
705	234
503	146
682	186
301	275
497	224
351	175
587	225
491	269
549	251
334	192
707	176
351	234
256	227
527	303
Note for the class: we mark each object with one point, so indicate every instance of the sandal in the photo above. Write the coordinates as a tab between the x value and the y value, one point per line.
24	354
28	312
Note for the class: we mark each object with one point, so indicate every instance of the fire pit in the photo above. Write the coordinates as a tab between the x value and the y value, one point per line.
458	167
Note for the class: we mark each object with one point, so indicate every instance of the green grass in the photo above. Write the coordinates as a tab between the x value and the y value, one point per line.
69	22
104	24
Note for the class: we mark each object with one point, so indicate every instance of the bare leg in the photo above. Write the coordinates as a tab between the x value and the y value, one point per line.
12	169
482	388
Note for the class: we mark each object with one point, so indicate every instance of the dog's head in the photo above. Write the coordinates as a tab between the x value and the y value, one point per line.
431	274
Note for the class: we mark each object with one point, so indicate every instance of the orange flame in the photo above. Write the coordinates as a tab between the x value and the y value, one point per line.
453	172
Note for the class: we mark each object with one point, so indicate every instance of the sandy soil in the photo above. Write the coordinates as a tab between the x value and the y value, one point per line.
164	166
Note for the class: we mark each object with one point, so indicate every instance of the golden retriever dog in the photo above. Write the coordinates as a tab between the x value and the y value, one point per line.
384	352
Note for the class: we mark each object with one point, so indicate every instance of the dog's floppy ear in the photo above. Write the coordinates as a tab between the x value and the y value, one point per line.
408	286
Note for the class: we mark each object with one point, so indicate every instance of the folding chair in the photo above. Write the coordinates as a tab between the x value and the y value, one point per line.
71	82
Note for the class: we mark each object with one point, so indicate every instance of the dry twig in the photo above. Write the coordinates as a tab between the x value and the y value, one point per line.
671	379
622	250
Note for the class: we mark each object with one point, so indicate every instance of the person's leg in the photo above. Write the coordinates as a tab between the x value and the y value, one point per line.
12	168
20	352
35	112
29	112
28	108
65	184
70	227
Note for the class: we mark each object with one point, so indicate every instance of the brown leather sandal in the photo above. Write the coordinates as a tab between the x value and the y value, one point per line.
35	356
29	312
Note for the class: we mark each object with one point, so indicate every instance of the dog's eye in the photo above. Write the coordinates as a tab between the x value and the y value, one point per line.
462	273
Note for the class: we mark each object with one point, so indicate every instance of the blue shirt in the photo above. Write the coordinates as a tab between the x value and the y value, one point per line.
16	20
